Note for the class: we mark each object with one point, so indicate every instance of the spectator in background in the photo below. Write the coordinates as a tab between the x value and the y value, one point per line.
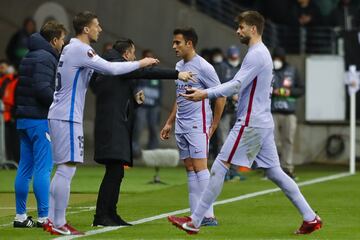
148	114
218	62
18	44
8	83
286	89
34	97
207	54
306	13
344	16
275	10
106	47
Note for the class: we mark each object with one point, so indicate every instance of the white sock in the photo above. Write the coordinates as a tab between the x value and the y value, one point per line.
42	219
211	192
203	178
20	217
61	192
52	201
193	190
292	191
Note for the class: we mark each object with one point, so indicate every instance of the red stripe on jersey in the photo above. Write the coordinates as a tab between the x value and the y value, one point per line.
247	120
236	144
207	144
203	115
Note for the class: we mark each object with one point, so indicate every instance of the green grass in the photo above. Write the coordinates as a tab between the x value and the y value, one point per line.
268	216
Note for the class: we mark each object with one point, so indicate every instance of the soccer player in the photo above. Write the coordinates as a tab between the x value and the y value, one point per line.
251	140
194	122
77	63
34	96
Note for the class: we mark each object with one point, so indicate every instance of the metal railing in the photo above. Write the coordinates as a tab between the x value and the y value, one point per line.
295	40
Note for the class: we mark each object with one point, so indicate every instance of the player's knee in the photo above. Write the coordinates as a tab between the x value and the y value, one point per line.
67	171
199	164
188	165
219	165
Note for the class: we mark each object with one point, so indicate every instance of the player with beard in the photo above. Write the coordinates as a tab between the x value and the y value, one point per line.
251	140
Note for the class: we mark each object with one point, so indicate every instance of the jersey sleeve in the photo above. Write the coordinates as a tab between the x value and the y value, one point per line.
100	65
250	68
211	78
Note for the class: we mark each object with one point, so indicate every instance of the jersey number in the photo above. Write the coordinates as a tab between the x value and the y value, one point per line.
58	81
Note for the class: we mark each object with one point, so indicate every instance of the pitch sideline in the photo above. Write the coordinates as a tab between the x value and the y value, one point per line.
225	201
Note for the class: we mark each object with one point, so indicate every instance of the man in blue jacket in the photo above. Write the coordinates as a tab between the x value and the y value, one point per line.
34	96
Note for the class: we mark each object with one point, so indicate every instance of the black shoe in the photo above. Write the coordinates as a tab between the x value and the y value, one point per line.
40	224
28	223
120	221
101	221
291	175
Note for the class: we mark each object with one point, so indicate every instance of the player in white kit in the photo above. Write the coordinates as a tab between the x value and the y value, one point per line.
194	121
251	140
77	63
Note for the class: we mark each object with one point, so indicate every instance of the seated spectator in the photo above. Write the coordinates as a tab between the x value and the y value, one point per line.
18	44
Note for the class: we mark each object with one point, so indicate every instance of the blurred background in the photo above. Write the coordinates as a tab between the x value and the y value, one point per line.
320	38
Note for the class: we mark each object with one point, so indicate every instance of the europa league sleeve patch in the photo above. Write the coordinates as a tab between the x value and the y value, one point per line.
91	53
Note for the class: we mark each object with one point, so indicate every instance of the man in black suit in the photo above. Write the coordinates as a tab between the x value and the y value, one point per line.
115	103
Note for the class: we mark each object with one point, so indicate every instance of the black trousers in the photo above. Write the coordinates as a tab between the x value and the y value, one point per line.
109	190
12	142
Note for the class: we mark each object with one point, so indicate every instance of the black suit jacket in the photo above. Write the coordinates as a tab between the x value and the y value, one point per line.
115	110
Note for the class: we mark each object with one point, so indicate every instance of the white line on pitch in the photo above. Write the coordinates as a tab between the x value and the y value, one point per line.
82	209
239	198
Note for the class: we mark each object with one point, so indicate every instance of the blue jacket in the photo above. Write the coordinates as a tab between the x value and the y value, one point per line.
37	71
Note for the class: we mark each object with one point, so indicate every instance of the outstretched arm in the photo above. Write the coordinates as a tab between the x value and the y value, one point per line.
102	66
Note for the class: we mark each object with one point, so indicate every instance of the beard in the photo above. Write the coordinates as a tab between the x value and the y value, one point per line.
245	39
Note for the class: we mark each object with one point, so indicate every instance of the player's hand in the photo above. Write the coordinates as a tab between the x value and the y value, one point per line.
140	97
194	94
186	76
212	130
165	132
145	62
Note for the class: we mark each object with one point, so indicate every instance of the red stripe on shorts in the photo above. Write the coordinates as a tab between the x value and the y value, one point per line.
247	120
236	144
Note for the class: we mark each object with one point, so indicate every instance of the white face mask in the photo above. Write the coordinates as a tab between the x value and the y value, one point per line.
10	70
277	64
217	59
234	63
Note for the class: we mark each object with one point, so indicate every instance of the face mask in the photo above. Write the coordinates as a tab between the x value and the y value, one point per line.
217	59
277	64
10	70
234	63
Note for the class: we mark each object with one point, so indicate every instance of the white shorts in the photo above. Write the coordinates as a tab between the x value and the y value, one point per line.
67	141
192	145
245	145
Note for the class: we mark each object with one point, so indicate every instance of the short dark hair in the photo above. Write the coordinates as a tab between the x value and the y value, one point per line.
123	44
252	18
188	33
82	20
51	30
